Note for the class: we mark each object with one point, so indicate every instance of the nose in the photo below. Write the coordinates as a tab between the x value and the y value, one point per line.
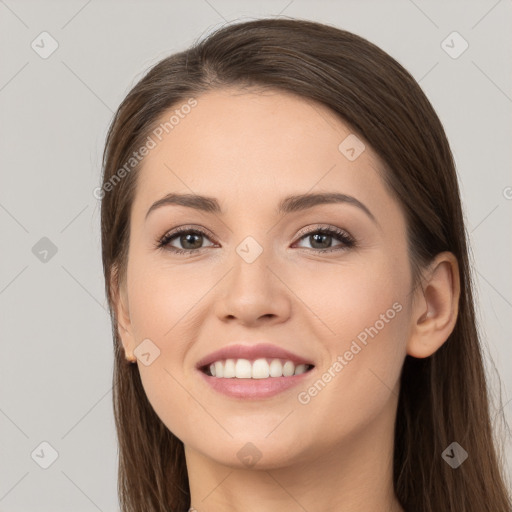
254	292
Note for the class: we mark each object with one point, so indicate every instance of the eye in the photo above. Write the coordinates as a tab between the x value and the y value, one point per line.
321	239
190	239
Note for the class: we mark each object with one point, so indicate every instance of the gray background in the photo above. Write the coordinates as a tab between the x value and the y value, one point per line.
56	352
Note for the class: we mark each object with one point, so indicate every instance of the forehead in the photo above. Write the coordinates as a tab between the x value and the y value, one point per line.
250	146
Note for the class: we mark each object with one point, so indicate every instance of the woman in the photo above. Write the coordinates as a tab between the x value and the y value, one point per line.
285	259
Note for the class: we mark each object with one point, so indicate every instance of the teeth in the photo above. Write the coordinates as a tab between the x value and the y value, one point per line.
276	368
288	369
219	369
242	369
229	369
258	369
301	368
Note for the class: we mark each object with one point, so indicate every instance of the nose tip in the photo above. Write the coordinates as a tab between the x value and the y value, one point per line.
252	293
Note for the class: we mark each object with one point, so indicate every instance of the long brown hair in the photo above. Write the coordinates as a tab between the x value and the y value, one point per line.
443	398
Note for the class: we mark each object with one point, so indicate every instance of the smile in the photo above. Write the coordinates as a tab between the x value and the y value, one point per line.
261	368
254	380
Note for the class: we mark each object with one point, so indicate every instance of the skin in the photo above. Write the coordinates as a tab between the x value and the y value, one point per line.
250	149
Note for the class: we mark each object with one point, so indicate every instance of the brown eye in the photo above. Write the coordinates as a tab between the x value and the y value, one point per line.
191	240
194	239
321	239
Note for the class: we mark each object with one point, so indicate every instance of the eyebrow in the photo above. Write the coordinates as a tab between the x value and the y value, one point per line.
287	205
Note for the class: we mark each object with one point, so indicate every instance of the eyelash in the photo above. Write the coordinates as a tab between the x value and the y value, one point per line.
342	236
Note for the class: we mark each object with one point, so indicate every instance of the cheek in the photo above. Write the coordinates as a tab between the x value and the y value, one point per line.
163	298
162	304
360	378
366	311
354	295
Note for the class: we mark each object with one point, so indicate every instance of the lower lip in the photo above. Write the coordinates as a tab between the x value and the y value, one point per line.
254	388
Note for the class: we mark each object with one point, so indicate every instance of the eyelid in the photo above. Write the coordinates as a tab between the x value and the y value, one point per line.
187	228
318	227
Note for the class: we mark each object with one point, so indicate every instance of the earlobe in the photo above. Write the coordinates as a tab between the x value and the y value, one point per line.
436	307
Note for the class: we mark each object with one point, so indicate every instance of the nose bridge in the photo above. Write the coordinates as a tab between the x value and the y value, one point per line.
251	261
251	289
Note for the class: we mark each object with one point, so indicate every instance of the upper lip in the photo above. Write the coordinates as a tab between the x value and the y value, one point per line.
261	350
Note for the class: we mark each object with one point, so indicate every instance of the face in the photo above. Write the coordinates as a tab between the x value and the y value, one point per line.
246	274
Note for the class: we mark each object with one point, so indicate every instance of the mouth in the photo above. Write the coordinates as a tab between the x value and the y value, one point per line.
250	380
254	372
261	368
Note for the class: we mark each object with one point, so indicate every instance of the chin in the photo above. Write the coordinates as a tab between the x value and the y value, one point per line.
253	453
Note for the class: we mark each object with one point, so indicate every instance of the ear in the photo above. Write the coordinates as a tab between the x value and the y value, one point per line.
121	306
435	306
